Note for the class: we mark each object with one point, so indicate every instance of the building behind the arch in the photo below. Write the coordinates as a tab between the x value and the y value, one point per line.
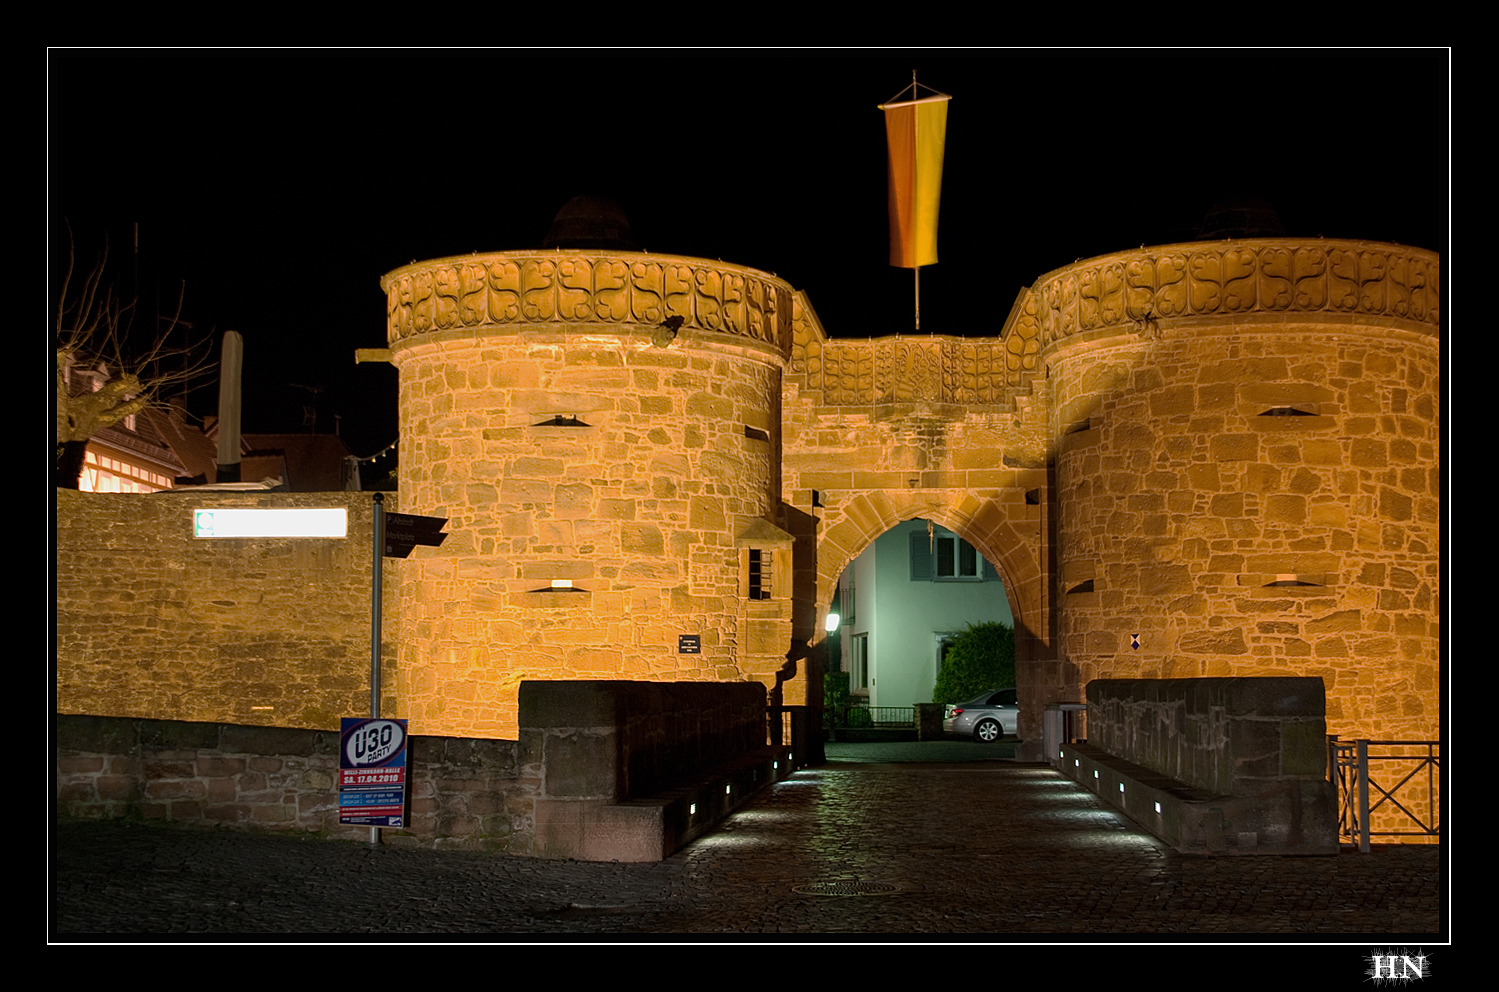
1194	460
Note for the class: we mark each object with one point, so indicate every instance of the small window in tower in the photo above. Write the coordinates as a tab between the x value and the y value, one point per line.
755	433
759	573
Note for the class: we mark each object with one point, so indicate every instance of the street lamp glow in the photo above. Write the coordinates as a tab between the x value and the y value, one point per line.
831	624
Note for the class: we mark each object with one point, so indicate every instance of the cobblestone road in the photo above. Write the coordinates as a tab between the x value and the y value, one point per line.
852	847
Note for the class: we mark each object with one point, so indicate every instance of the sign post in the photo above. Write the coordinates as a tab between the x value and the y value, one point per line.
395	535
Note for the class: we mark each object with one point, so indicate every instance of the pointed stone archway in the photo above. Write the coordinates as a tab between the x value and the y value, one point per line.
999	523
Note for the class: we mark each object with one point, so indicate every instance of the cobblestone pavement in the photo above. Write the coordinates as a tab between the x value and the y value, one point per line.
857	846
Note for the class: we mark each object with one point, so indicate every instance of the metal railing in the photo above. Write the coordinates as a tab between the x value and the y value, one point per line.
875	717
1351	763
789	726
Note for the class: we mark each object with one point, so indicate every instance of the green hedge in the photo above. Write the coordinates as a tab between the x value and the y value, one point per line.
981	658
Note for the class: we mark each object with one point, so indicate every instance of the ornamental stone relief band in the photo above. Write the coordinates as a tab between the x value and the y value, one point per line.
1321	277
1125	290
556	287
905	370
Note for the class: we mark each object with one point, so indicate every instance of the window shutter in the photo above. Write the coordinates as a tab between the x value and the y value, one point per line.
921	558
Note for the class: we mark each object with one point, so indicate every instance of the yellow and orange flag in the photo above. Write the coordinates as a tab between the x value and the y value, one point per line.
915	130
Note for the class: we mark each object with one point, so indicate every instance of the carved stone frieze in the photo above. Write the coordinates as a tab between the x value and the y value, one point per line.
1239	278
606	288
852	372
905	370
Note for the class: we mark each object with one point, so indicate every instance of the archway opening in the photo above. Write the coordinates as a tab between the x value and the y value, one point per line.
900	603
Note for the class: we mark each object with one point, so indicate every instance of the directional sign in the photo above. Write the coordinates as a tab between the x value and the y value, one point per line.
404	531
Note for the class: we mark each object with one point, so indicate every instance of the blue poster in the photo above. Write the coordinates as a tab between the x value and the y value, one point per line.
372	772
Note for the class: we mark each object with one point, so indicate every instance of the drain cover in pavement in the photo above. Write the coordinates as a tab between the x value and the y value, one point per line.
845	887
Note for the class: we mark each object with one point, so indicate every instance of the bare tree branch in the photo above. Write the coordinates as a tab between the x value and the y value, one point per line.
105	371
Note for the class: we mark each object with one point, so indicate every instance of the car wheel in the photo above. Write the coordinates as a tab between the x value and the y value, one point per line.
988	731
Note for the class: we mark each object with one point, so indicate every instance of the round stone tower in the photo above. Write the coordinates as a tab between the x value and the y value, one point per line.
602	430
1247	470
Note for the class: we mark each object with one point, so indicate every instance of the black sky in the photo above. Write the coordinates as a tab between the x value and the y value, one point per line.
282	187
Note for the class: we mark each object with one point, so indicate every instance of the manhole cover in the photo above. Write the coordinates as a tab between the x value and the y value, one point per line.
846	887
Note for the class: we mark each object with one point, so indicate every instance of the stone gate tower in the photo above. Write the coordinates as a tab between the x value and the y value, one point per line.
1247	471
603	430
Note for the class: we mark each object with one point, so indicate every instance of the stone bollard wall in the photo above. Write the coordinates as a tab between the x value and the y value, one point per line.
1214	766
632	771
625	771
465	793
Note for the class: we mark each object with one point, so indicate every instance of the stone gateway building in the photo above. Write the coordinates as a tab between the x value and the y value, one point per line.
1209	459
1195	460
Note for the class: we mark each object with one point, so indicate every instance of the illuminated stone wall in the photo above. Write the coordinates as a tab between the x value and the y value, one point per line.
609	420
1110	450
947	429
152	622
1247	471
1229	450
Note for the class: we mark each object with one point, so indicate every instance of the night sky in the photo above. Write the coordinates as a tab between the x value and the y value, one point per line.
282	187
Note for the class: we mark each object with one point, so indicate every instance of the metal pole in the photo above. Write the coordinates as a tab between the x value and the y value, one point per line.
377	570
1363	796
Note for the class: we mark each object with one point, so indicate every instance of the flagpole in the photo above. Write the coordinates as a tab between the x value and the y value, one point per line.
915	129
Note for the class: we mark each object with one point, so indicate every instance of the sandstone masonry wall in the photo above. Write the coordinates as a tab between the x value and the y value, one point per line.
947	429
464	793
1256	493
1191	460
1194	460
608	421
153	622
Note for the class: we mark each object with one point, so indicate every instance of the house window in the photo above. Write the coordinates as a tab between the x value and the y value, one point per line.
858	670
944	557
759	573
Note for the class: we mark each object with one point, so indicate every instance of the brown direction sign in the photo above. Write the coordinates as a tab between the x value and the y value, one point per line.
404	531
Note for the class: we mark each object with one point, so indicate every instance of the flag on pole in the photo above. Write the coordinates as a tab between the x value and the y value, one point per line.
915	130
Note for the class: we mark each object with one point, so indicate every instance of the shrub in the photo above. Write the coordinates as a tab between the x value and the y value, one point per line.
981	658
834	696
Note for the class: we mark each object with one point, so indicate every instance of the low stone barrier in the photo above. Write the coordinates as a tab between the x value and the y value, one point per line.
464	793
632	771
1216	765
603	771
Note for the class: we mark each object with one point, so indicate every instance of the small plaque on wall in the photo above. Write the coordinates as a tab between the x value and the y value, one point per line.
689	644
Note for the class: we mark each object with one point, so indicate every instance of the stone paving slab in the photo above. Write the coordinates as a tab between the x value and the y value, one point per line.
992	850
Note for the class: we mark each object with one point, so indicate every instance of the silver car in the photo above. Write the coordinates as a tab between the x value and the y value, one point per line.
988	717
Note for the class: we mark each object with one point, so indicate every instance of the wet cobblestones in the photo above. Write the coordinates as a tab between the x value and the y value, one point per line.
980	848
